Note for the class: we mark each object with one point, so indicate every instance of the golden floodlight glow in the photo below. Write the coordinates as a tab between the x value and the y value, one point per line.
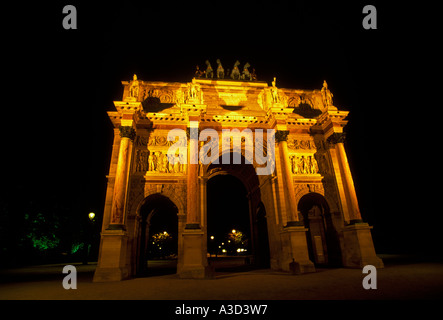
91	215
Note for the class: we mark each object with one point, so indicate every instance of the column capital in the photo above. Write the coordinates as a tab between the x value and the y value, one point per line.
336	137
127	132
281	135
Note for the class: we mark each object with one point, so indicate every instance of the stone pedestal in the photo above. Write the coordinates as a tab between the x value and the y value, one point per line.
195	262
112	260
358	247
295	247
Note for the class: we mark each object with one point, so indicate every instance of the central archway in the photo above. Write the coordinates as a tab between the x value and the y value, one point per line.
234	203
227	210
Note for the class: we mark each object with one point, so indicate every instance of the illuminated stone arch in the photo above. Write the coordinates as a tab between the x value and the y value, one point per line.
302	189
176	192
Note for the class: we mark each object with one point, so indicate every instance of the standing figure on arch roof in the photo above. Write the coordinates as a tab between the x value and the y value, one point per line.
133	89
274	92
326	94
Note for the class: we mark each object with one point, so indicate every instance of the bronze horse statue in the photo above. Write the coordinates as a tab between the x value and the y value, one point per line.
209	72
220	70
246	74
235	73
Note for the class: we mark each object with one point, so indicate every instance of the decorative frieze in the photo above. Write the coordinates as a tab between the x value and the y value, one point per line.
161	94
304	144
303	164
161	162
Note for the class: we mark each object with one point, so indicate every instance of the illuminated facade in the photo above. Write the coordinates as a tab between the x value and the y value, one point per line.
304	213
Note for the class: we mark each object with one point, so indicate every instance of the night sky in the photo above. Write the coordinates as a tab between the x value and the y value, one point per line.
56	141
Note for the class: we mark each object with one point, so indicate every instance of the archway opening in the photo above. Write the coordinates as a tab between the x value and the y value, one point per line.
228	223
236	223
322	238
158	237
263	255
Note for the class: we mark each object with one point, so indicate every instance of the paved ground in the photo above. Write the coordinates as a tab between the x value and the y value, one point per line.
402	278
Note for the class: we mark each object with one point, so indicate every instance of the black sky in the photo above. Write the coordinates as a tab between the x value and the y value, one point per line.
60	83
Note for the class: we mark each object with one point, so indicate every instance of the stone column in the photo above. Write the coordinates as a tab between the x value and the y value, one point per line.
195	261
127	134
358	247
294	245
348	183
193	218
203	200
113	257
281	137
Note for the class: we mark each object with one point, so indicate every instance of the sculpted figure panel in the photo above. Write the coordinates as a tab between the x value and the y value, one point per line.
159	161
304	164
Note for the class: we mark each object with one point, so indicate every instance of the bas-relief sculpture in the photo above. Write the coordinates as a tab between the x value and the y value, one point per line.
159	161
310	160
304	164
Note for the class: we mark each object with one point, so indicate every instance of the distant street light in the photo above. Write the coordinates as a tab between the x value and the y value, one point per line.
234	231
88	237
212	237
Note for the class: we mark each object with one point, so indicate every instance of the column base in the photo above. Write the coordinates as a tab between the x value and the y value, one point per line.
197	272
295	250
359	248
195	262
112	258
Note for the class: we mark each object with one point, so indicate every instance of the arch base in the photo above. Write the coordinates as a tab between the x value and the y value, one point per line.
194	264
358	247
296	250
112	260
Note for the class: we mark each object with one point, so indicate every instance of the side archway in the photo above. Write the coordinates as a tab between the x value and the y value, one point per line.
157	216
322	238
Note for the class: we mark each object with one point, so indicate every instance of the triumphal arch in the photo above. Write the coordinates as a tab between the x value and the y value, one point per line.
285	145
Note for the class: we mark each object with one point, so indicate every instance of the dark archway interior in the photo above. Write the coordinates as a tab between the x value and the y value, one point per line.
227	209
158	240
263	254
233	203
322	238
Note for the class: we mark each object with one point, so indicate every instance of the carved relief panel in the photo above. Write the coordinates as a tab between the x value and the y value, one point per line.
151	155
